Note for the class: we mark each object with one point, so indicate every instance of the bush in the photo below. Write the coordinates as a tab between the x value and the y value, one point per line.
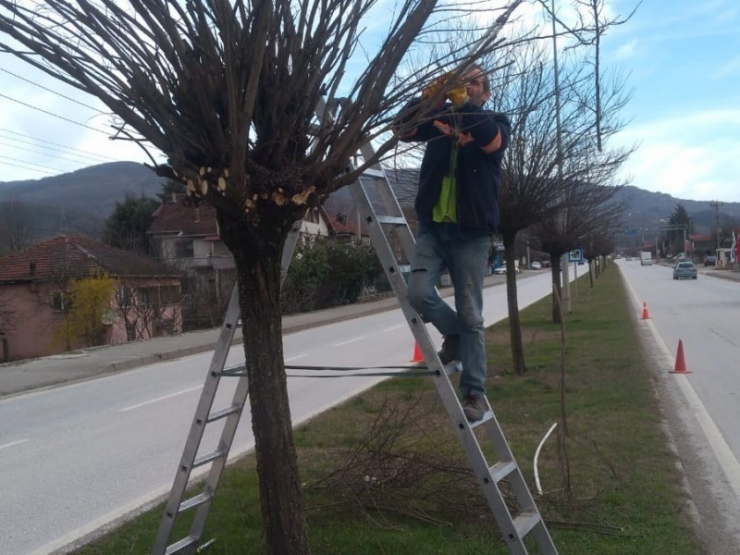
328	272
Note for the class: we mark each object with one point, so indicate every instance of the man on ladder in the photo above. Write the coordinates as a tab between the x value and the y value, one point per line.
457	210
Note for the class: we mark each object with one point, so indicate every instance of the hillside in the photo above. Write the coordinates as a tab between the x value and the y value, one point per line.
81	200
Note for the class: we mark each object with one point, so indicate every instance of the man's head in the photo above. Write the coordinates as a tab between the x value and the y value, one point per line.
477	85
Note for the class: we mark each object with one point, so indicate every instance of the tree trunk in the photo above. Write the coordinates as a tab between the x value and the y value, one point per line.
258	260
555	267
515	327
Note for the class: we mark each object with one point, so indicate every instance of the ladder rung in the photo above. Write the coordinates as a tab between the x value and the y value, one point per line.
501	470
199	499
395	220
486	417
180	545
237	370
205	459
219	414
526	521
452	367
372	172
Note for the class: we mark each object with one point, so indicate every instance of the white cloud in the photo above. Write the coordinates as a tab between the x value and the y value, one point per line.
627	50
694	157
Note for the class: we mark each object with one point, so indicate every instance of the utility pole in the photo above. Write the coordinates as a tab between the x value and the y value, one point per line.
716	204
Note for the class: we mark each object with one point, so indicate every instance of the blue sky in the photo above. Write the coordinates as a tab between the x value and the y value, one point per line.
682	58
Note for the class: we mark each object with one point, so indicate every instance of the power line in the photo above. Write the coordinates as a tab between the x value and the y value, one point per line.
51	91
30	164
34	150
37	139
52	114
25	168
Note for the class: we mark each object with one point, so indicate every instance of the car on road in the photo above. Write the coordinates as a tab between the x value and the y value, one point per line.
501	270
710	260
536	265
684	270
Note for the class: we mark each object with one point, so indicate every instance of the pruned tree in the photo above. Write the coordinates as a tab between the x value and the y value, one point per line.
228	92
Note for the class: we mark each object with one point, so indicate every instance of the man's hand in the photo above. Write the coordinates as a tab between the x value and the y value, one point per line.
434	87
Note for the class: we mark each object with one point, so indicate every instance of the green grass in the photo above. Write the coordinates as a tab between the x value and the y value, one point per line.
625	491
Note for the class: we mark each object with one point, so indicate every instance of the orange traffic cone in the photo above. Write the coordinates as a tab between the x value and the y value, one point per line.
417	356
680	367
645	314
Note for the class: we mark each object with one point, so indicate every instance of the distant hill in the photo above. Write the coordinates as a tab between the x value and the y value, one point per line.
94	189
81	200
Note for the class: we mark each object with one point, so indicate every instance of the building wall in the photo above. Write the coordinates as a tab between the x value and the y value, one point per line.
35	320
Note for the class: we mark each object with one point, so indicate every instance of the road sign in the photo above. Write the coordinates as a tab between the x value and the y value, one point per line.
575	255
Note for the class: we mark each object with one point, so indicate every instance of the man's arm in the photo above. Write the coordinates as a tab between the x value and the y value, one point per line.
490	132
423	131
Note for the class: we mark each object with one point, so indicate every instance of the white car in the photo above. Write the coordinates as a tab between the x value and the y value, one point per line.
536	265
501	270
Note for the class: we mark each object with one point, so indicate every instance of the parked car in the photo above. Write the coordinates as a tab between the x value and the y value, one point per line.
684	270
710	260
501	270
536	265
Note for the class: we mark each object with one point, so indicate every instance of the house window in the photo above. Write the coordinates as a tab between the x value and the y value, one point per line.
147	296
124	297
169	294
60	301
184	249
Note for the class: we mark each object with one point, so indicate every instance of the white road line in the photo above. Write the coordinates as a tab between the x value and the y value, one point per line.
396	327
175	394
13	443
291	359
350	341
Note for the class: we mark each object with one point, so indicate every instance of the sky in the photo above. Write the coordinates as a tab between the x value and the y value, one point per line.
681	59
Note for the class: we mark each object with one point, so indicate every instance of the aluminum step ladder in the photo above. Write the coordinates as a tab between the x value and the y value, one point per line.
393	242
388	229
204	415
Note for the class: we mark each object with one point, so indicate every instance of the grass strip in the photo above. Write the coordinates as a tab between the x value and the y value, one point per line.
385	474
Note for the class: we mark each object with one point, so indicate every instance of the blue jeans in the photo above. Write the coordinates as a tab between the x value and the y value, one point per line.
439	246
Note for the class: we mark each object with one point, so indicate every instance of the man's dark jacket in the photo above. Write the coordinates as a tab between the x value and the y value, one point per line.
478	174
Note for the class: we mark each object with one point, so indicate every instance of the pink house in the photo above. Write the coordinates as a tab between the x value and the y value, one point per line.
35	300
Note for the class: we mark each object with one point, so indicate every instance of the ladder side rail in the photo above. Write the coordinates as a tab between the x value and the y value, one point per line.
446	391
195	435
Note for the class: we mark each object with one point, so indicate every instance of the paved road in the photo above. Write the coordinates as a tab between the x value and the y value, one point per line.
703	407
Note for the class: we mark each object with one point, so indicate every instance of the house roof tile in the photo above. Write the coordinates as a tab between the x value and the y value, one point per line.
75	256
175	216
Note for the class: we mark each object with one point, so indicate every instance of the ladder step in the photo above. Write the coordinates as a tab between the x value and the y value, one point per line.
395	220
237	370
223	413
372	172
486	417
199	499
205	459
526	520
501	470
177	547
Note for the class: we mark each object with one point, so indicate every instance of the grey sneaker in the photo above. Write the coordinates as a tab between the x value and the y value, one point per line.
450	349
474	407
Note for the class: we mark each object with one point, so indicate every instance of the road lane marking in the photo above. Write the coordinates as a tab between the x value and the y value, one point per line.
291	359
13	443
395	327
354	340
162	398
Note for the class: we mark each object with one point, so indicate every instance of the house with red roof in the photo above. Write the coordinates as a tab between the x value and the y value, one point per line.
35	295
